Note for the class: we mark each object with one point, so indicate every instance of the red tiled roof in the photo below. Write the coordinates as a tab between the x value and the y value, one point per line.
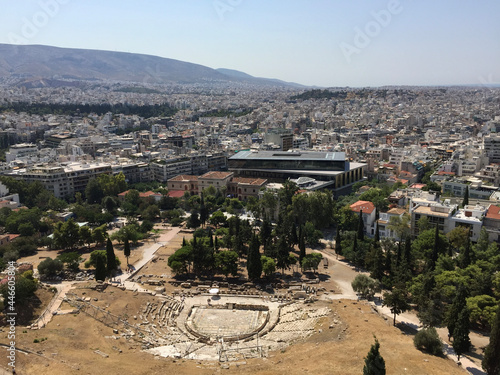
418	186
216	175
493	212
175	193
148	194
443	173
365	206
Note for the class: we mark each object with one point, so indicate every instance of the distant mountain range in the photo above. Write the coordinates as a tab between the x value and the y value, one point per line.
37	65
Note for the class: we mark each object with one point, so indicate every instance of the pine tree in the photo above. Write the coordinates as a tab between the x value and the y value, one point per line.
397	301
374	363
302	245
361	227
126	249
254	264
338	242
465	202
491	360
110	258
459	303
461	340
100	269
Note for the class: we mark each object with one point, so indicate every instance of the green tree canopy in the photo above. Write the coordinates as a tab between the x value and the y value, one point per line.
374	362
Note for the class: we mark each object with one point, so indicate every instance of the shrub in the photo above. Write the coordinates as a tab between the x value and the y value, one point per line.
366	286
428	340
50	267
176	222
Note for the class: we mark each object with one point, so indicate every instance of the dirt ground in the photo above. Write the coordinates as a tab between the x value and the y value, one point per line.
68	343
71	341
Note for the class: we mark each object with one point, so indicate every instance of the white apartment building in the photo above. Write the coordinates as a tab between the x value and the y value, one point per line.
470	217
63	180
20	150
384	220
168	168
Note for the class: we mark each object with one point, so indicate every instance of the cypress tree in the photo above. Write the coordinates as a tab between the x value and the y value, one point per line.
283	252
491	360
435	250
459	303
266	234
110	258
254	264
184	243
388	262
302	245
203	211
466	197
126	249
100	269
374	362
398	254
294	237
338	242
407	252
465	257
377	235
361	227
461	340
377	271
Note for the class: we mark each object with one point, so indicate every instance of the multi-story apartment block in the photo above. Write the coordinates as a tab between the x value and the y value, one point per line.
20	150
165	169
490	174
470	217
491	223
384	221
63	180
492	147
437	214
134	172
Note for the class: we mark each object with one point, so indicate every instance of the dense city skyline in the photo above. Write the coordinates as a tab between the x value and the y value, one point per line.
323	44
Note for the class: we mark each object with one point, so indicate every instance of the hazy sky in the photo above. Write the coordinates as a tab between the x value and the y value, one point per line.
313	42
